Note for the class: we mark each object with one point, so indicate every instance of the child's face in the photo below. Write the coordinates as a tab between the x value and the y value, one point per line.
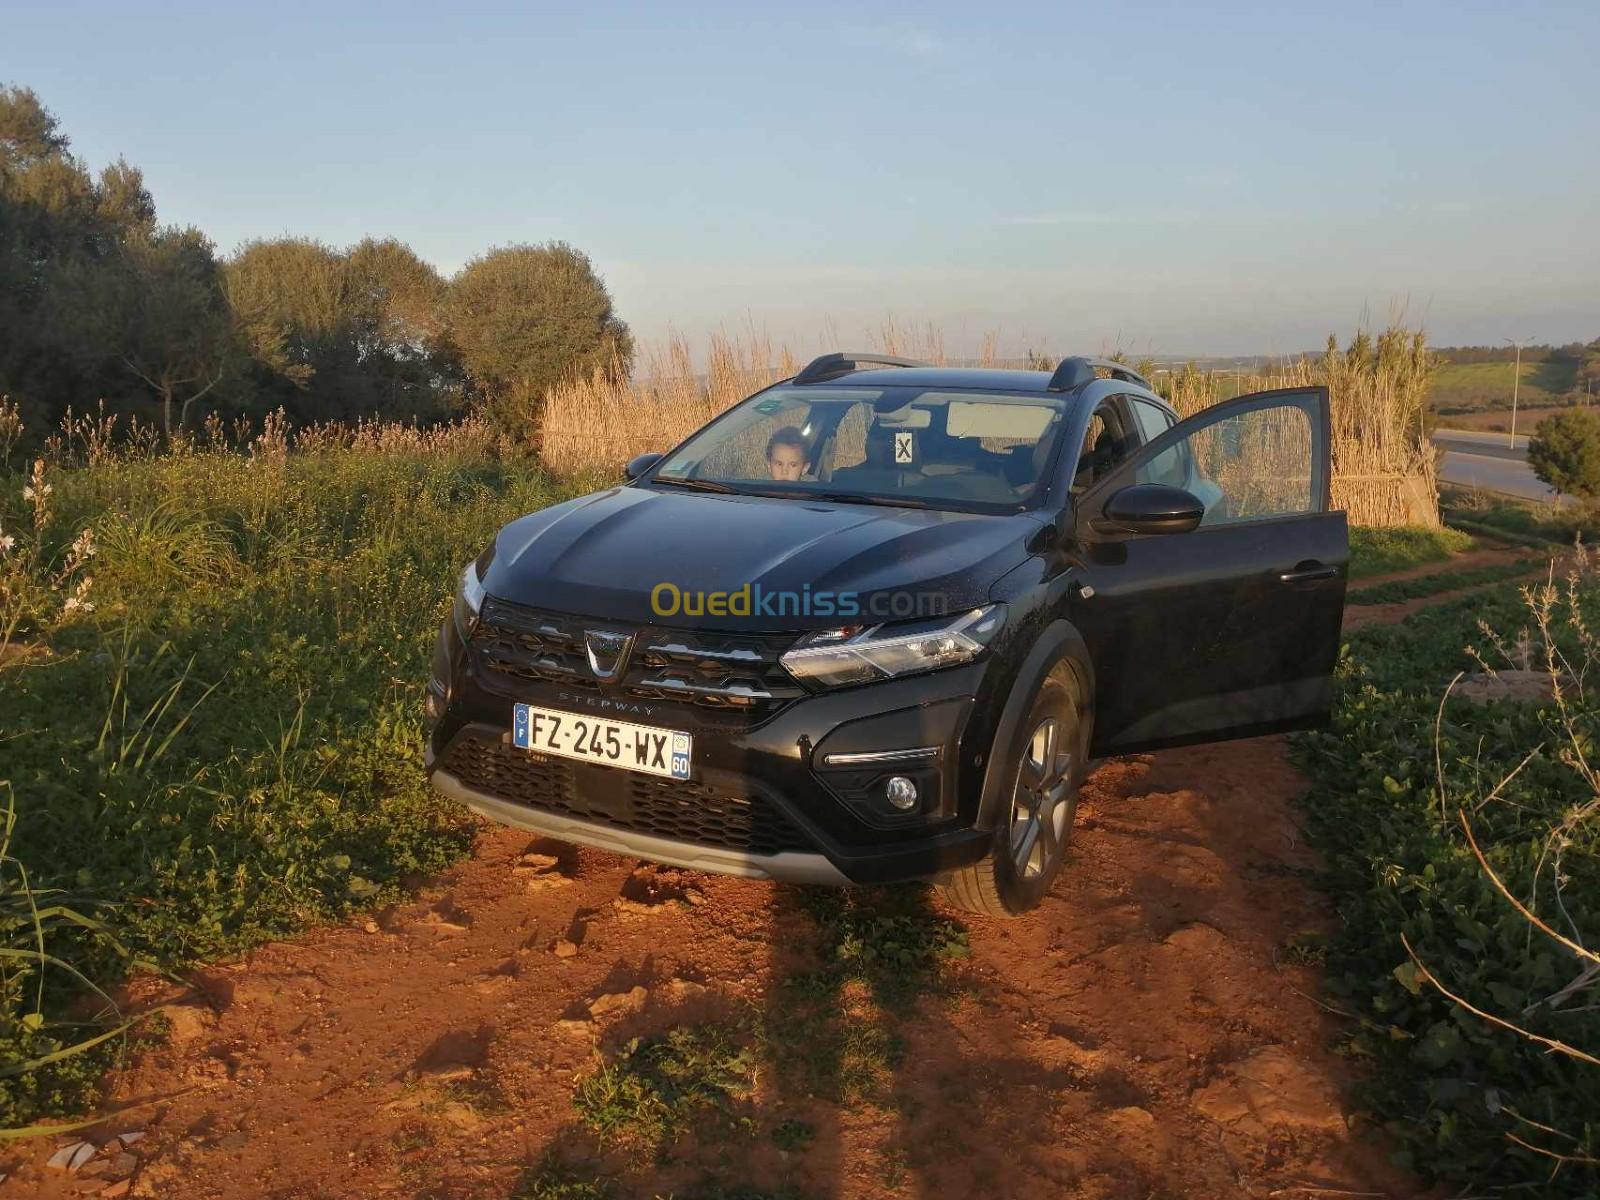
786	462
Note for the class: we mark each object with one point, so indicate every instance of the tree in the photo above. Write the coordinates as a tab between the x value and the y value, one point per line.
173	330
397	303
287	299
1565	451
526	317
63	234
338	335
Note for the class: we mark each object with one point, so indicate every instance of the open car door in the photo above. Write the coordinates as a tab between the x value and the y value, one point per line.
1229	626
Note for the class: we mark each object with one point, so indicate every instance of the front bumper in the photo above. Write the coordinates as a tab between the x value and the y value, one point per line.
763	802
785	866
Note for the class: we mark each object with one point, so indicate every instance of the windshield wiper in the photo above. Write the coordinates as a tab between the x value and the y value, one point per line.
857	498
696	485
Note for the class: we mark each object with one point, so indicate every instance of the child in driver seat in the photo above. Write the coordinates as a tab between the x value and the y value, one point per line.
786	454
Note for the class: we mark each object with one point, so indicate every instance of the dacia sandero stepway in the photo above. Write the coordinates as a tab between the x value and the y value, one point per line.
874	622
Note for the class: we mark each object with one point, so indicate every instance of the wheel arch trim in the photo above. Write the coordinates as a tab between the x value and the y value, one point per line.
1059	643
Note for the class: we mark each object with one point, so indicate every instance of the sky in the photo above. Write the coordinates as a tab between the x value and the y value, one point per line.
1169	179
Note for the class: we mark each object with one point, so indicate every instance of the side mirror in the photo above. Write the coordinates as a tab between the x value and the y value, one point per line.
1151	508
639	465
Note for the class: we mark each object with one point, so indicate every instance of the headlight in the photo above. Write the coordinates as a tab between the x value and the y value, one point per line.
836	657
469	593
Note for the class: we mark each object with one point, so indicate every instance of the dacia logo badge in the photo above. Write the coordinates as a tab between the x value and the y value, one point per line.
607	652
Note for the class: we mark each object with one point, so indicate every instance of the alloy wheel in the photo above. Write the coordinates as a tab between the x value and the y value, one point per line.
1041	804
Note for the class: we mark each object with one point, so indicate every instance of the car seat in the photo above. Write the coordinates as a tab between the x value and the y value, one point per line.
1107	452
878	471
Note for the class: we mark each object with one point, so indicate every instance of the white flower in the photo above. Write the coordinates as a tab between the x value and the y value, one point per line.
6	542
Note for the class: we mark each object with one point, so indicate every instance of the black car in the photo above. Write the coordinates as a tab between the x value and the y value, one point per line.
873	624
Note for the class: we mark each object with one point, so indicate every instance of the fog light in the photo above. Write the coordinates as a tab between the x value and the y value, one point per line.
901	793
433	707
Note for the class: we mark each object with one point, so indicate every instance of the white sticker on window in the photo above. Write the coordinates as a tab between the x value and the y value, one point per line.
902	448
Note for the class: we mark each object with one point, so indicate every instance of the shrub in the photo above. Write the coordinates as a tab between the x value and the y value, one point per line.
1565	452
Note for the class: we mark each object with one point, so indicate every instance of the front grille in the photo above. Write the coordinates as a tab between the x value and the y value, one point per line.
682	811
734	673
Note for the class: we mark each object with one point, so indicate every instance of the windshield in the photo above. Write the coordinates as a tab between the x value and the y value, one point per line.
901	445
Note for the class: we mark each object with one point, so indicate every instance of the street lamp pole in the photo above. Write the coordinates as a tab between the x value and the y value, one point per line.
1515	380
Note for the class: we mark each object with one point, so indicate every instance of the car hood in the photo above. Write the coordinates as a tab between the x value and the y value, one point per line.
602	555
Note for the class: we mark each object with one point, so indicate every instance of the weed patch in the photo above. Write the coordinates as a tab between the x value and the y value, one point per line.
226	745
659	1088
1467	1100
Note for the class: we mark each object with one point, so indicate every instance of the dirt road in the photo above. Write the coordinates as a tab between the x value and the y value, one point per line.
1142	1035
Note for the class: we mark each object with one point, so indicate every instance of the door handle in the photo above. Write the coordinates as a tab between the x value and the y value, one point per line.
1308	572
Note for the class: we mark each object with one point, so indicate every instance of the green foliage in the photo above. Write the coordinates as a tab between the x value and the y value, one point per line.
1565	452
526	317
343	334
47	1064
1444	581
888	939
228	744
63	236
659	1088
1383	550
1447	1085
160	308
1523	521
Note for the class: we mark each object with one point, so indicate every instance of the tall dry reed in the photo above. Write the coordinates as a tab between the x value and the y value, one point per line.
596	421
1383	466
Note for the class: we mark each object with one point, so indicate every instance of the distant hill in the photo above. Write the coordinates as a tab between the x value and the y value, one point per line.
1476	386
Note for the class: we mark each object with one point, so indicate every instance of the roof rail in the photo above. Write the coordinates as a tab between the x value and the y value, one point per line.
842	362
1076	371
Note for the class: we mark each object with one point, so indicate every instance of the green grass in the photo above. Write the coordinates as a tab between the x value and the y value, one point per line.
1468	387
1375	551
1443	581
1524	520
228	748
1447	1086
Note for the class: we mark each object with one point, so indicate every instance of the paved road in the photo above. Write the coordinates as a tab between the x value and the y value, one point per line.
1491	461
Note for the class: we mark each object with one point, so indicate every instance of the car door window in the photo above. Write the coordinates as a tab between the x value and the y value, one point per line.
1257	462
1105	446
1152	421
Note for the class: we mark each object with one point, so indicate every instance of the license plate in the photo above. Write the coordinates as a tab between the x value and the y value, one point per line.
646	748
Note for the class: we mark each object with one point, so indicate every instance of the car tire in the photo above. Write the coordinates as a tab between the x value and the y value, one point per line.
1045	768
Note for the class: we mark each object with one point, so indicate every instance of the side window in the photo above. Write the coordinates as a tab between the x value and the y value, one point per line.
1248	465
1152	421
1104	446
